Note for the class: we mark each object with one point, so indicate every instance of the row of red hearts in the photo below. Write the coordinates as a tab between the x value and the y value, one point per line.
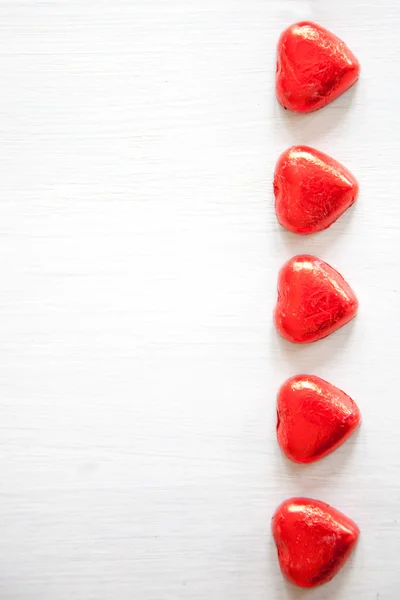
312	190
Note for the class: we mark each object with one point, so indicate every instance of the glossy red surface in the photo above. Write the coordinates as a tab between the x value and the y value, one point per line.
314	418
313	300
313	540
311	189
313	67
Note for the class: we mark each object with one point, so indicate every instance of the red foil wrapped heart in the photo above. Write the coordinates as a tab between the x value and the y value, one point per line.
311	190
314	418
313	67
313	300
313	540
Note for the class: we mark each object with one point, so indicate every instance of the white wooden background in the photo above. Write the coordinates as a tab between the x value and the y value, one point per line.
138	260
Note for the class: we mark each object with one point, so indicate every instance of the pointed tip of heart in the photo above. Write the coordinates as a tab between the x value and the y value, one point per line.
314	67
312	190
314	418
313	540
314	300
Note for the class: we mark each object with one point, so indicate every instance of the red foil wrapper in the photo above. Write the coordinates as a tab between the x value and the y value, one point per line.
313	300
314	418
313	67
313	540
311	190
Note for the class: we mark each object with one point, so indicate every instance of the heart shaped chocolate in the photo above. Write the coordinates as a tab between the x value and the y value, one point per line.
311	190
313	300
314	418
313	67
313	540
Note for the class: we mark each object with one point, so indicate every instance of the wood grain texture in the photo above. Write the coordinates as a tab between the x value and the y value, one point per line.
138	256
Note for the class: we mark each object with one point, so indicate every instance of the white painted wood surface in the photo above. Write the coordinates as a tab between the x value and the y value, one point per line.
138	259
